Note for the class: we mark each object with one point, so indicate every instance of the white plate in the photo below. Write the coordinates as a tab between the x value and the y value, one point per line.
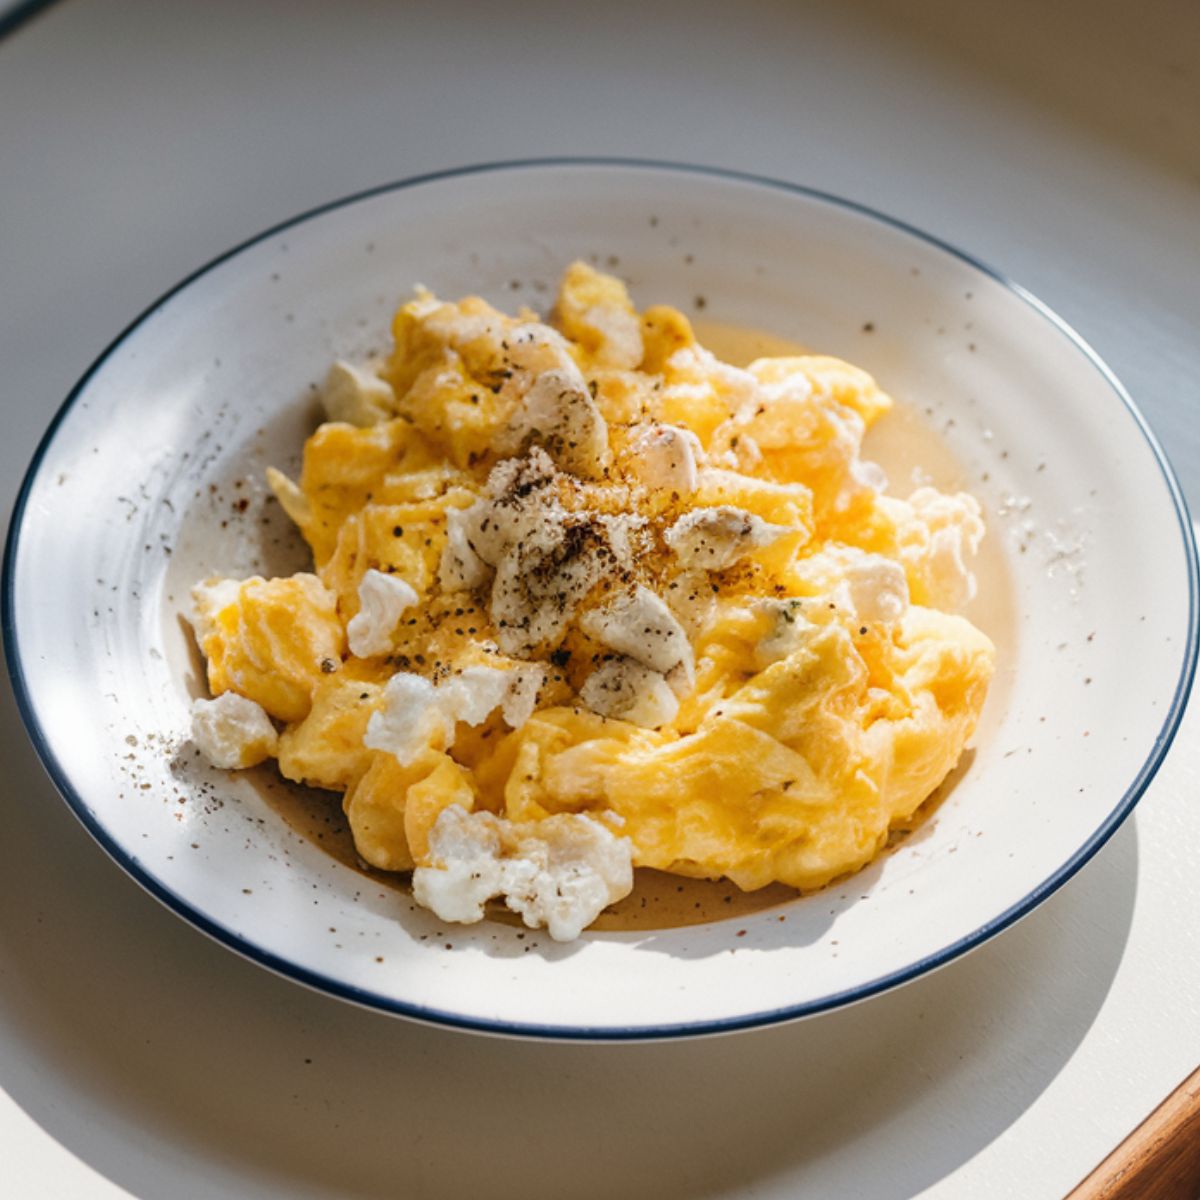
150	478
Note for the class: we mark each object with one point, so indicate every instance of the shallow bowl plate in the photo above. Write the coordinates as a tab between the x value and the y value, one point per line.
151	478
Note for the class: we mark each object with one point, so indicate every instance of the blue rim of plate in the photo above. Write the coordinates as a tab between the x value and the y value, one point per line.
381	1003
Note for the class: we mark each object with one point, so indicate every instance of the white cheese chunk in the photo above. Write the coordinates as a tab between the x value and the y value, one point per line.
938	534
629	691
866	588
541	582
233	732
664	458
461	568
560	873
788	630
566	872
639	625
466	849
356	396
532	348
409	720
521	696
559	414
715	538
382	599
878	588
473	694
521	499
692	601
417	713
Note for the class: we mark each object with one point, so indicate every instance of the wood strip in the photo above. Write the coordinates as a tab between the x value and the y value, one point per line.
1159	1160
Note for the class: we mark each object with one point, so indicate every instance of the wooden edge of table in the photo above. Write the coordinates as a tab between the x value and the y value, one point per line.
1159	1160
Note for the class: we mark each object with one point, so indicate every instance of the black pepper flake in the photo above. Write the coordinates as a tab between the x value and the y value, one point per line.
397	531
328	666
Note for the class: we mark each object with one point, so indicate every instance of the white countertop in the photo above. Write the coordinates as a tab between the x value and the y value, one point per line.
141	138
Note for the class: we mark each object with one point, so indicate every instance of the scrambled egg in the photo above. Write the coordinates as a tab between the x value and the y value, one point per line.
585	598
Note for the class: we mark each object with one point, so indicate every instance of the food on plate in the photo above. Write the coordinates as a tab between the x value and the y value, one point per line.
585	598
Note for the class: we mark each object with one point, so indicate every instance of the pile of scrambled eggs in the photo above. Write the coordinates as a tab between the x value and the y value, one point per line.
585	599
